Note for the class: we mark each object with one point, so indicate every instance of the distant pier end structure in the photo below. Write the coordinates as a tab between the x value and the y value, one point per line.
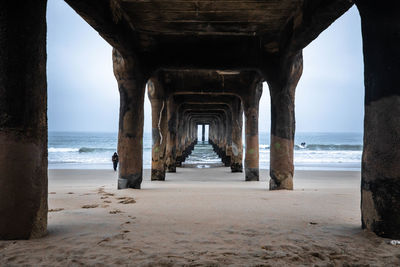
204	63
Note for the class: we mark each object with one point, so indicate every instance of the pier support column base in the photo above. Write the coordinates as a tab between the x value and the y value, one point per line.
227	161
134	181
280	181
171	168
252	174
157	175
23	190
236	167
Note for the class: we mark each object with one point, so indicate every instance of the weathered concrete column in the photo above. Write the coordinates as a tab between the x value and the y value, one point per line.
203	132
380	178
197	137
180	136
171	137
251	107
131	84
237	146
282	86
228	137
159	129
23	119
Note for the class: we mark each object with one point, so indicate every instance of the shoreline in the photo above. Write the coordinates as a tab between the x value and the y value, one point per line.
303	167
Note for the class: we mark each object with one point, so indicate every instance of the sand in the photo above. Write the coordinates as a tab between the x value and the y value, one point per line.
203	217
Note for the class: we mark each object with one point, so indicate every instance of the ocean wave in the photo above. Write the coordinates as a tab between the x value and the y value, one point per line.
94	149
330	147
80	150
62	149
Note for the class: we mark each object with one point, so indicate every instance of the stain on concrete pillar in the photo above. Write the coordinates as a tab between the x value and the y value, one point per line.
380	176
23	119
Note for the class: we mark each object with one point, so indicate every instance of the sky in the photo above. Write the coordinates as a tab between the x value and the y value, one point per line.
83	93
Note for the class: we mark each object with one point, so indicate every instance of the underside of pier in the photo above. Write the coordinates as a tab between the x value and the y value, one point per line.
204	63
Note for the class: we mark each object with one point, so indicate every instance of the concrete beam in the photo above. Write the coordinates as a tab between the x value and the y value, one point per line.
110	21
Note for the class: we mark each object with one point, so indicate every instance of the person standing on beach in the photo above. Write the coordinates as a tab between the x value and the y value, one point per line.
114	159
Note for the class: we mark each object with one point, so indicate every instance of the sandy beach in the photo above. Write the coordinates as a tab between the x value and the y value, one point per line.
202	217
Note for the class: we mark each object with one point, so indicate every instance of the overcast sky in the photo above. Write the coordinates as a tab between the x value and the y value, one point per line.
83	94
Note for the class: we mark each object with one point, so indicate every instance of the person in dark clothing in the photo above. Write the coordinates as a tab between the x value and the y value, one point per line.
115	160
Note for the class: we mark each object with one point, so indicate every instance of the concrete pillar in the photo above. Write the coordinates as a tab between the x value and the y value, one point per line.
159	130
220	140
380	178
131	84
228	137
180	137
251	107
23	119
211	133
203	132
237	146
221	134
282	88
171	137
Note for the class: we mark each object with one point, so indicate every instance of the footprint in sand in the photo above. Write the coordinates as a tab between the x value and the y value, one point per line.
90	206
70	193
55	210
107	201
126	200
115	211
110	238
104	193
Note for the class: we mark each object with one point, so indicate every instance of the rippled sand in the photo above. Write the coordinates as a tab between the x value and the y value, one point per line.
202	217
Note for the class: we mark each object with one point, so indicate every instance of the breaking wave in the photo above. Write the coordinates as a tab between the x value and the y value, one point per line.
93	149
62	149
80	150
342	147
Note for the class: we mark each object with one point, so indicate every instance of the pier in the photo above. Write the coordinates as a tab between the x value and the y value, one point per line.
204	63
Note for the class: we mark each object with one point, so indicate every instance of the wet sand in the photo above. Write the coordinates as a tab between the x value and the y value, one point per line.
202	217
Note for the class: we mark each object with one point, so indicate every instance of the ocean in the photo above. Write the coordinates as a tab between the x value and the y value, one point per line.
93	150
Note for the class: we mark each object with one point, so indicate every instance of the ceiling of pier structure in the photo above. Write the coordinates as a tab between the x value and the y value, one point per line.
206	82
245	17
209	34
265	22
